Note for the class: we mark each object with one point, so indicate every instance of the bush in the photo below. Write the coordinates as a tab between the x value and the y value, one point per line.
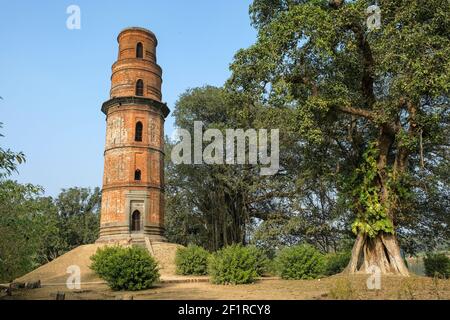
262	261
336	262
300	262
130	268
192	260
234	264
437	264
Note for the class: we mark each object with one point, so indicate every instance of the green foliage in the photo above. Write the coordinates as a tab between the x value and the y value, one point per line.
20	236
336	86
79	213
437	264
192	260
197	209
217	205
262	260
130	268
372	213
300	262
234	264
34	230
212	205
336	262
9	160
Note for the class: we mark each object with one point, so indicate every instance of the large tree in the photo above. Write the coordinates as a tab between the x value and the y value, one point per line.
380	97
78	215
215	204
35	229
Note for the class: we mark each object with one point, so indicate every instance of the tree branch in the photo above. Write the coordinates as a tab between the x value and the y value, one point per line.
369	115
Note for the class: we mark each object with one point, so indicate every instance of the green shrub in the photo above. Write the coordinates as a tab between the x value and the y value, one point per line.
300	262
262	261
437	264
336	262
272	268
125	268
234	264
192	260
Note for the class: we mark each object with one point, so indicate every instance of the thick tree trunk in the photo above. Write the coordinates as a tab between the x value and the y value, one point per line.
382	251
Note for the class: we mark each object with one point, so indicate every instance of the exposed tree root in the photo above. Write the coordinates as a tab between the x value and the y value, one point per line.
382	251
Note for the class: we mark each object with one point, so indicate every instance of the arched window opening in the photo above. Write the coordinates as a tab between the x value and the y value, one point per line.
140	88
137	175
139	50
136	221
138	131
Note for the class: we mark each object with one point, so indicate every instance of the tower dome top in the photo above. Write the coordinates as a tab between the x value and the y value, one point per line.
137	29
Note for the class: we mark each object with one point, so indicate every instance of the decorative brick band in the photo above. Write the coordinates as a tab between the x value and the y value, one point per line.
117	101
135	185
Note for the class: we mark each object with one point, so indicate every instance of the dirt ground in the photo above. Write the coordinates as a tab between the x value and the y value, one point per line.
55	272
336	287
54	275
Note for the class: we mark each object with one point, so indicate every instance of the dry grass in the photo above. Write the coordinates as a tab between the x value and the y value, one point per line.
336	287
53	277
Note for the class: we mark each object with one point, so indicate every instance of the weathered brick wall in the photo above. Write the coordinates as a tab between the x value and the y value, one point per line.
127	69
123	155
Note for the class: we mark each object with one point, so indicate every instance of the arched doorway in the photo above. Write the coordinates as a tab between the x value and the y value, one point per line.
136	221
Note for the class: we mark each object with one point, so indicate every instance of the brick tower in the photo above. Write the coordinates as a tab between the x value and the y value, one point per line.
133	180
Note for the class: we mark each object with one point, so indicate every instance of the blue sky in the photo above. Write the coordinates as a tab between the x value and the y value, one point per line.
53	80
